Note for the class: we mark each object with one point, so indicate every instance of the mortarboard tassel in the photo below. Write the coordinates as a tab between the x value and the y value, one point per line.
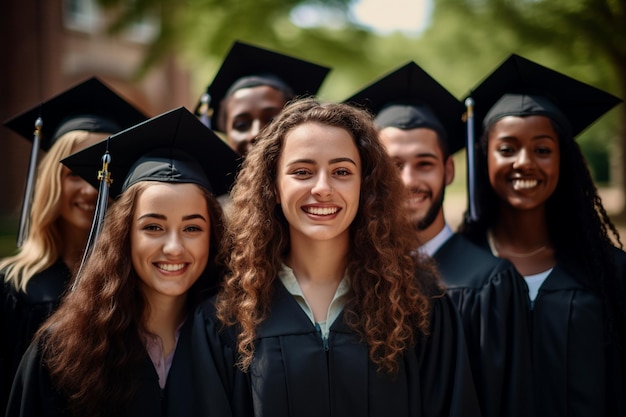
30	185
469	146
104	176
204	110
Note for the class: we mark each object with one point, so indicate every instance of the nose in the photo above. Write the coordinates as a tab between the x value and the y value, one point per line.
524	160
173	245
408	176
88	190
322	186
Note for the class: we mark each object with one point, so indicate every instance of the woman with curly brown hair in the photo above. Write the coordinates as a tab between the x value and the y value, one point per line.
326	311
120	343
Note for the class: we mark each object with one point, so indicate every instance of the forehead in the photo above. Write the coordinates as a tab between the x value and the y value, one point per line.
410	142
318	140
251	99
171	197
535	126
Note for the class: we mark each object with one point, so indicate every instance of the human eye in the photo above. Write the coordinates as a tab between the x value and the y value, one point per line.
424	164
543	150
342	172
193	228
505	149
151	227
301	172
241	125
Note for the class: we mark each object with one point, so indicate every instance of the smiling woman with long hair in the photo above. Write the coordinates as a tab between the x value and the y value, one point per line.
33	280
539	208
326	311
119	344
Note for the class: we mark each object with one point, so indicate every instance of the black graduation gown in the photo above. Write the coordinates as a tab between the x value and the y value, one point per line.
33	394
22	315
579	371
294	373
492	299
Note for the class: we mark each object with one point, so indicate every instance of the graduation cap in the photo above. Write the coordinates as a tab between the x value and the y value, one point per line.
409	98
157	142
91	106
247	66
174	147
520	87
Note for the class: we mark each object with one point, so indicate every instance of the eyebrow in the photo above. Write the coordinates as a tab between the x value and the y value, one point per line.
332	161
163	217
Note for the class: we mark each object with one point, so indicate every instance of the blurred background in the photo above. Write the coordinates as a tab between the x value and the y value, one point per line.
161	54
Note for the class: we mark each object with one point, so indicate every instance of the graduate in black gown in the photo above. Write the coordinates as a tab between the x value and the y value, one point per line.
420	124
327	311
55	225
539	208
251	88
120	343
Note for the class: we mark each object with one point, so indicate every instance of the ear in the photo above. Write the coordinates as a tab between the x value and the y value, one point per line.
449	170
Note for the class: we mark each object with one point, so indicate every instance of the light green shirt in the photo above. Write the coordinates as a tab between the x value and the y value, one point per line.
290	282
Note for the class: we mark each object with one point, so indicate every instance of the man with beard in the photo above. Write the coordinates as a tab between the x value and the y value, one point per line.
420	124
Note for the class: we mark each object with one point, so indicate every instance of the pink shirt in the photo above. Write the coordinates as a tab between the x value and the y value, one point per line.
154	346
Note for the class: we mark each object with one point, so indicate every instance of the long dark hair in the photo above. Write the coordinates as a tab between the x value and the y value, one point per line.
578	225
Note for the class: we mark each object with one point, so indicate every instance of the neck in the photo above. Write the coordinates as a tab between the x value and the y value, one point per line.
317	262
525	229
166	314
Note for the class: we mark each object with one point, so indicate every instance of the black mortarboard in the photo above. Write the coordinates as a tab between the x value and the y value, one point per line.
90	106
520	87
408	98
250	66
172	147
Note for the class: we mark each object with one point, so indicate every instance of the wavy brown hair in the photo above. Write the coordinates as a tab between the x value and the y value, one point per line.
386	306
92	345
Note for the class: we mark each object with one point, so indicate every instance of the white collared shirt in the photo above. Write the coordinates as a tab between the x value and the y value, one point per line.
337	304
432	246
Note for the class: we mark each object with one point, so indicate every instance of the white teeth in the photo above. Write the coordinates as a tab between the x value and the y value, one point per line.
171	267
87	207
524	184
321	211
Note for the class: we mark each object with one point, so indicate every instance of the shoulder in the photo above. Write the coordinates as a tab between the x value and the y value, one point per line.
462	263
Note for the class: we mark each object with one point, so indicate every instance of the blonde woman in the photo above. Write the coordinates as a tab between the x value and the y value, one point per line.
34	279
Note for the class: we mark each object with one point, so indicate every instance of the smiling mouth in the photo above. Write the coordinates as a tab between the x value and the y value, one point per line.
524	184
321	211
170	267
86	207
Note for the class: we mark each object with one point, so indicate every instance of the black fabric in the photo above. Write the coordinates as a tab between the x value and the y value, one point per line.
492	300
249	65
90	105
529	88
293	374
578	368
34	395
579	371
22	315
170	134
408	98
